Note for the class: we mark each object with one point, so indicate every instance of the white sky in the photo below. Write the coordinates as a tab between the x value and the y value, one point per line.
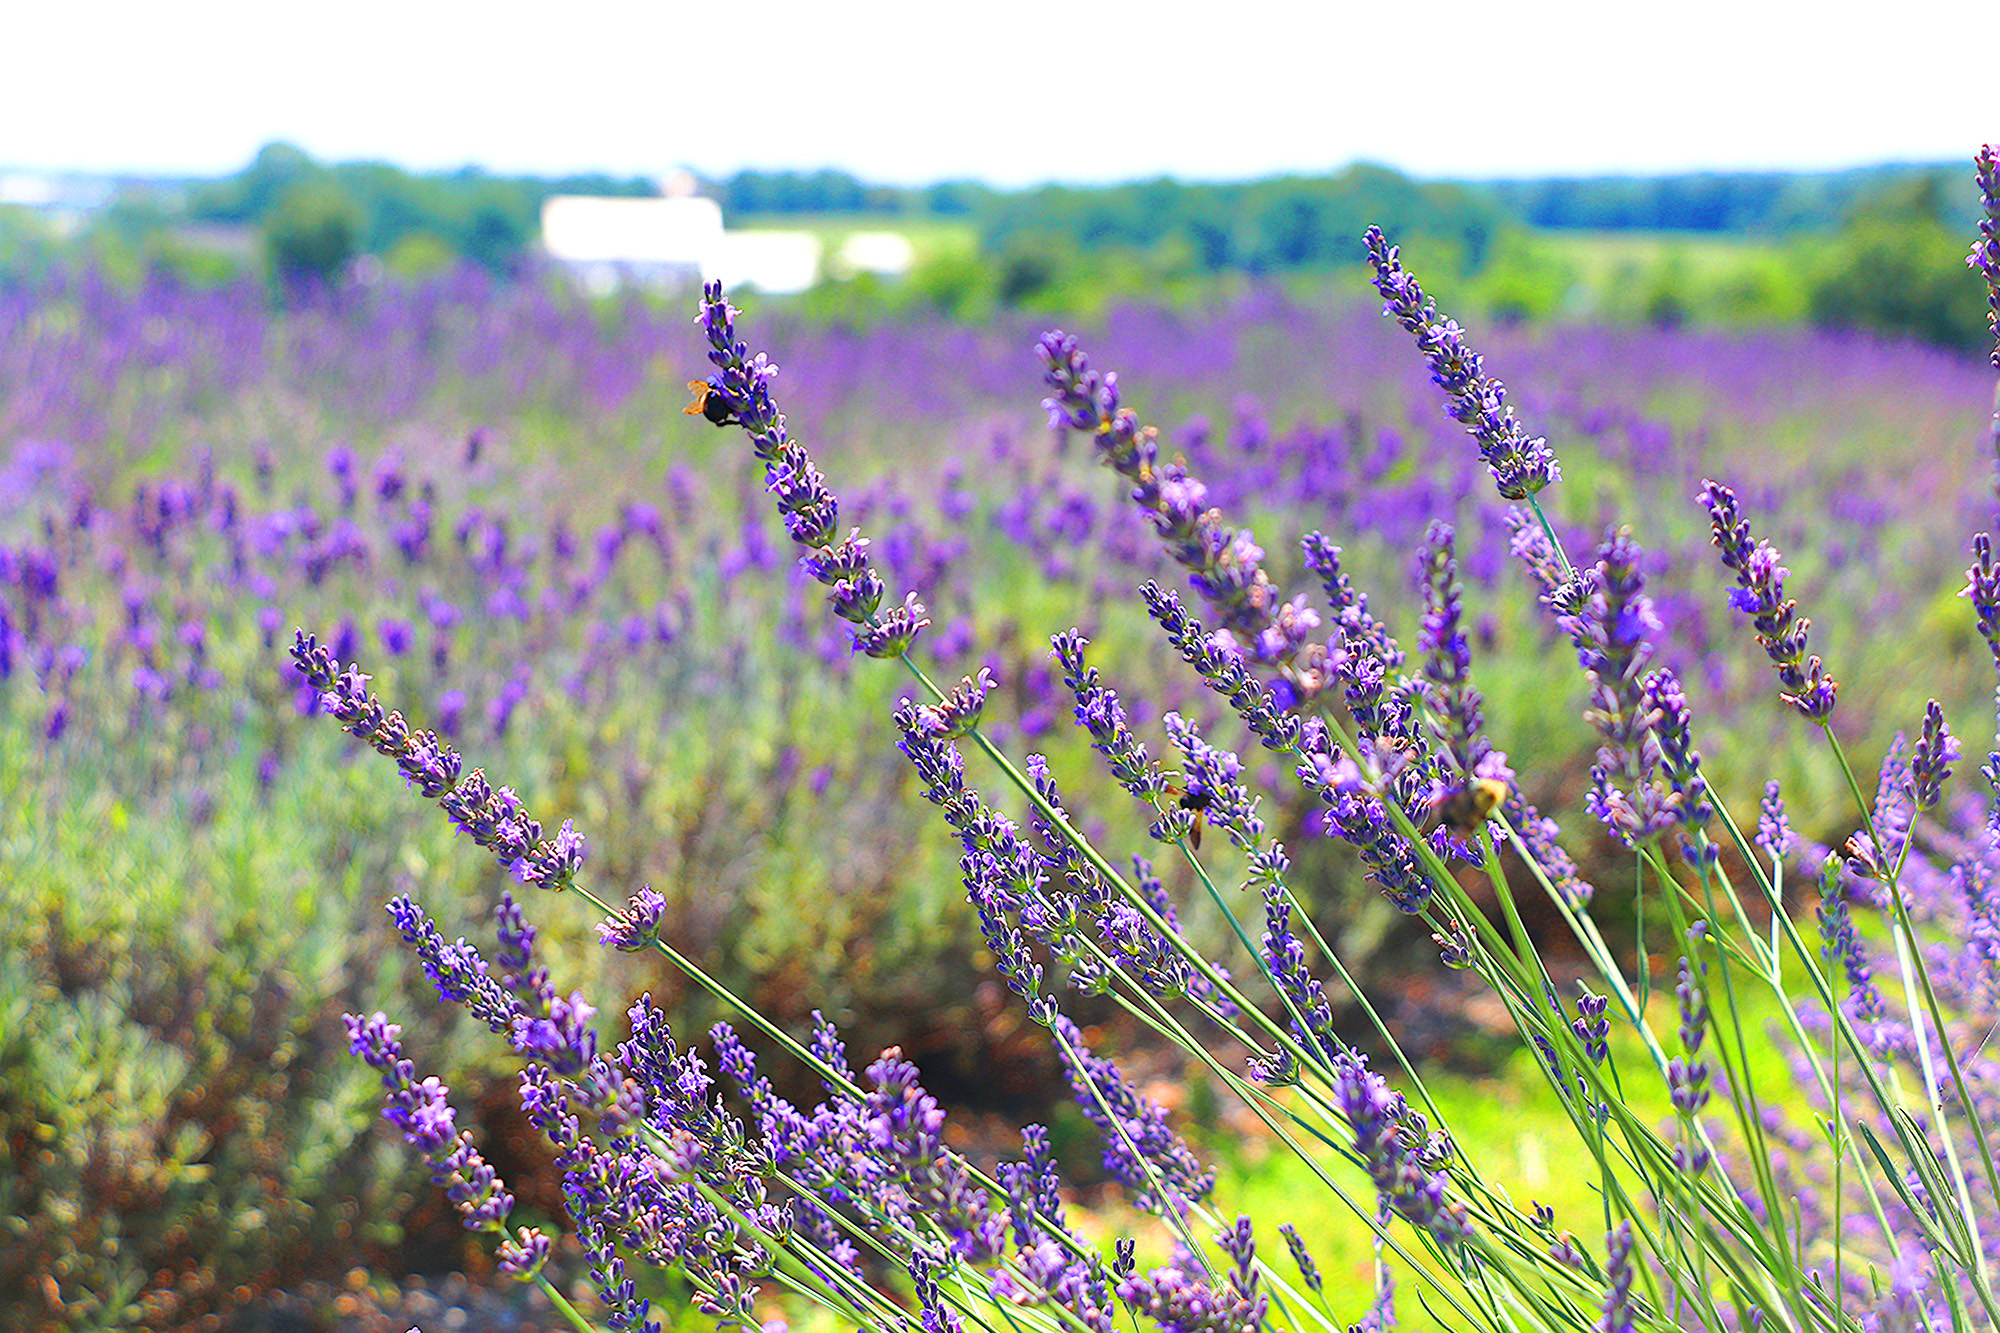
1016	92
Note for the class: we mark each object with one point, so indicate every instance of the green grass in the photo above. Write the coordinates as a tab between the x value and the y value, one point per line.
1509	1121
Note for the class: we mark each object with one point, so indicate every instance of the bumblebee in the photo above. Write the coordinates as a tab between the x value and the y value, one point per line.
1195	800
711	404
1465	809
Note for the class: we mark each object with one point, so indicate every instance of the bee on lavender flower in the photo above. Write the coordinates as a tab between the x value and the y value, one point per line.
1465	808
1462	808
711	404
1196	799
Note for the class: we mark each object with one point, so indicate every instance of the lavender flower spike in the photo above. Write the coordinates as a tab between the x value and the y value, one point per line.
1618	1309
1224	564
1985	255
1520	465
1760	590
422	1111
1930	762
739	394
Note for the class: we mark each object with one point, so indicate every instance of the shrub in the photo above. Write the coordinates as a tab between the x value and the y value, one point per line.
1862	1192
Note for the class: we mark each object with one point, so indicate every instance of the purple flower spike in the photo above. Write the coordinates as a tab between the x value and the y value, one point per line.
1930	761
1301	1256
1099	712
1224	564
1404	1160
1760	591
739	394
1982	589
1985	256
1520	465
1448	654
637	926
1141	1150
1774	830
1618	1307
422	1111
1841	943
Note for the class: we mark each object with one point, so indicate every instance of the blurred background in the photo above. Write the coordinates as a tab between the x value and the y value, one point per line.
377	322
1736	165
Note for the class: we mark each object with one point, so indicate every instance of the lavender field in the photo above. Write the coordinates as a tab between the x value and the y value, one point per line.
493	497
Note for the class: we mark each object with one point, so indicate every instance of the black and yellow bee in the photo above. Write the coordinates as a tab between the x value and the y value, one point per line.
1464	809
711	404
1196	801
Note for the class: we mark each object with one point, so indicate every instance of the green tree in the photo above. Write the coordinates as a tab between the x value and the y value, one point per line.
312	232
1898	268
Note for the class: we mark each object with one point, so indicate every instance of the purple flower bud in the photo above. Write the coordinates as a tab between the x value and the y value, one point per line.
522	1257
1301	1256
1592	1027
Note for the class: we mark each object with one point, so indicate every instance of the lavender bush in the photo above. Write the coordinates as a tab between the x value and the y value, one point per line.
490	495
1858	1191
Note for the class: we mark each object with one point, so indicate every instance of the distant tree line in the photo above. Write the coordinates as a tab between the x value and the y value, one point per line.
1280	224
315	217
1767	203
1879	249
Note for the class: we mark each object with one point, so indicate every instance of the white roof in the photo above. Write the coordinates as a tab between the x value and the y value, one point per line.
584	228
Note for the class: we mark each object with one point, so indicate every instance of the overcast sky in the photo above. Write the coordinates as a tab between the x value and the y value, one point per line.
1011	93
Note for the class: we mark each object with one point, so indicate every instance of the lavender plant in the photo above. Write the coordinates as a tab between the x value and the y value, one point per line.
1859	1192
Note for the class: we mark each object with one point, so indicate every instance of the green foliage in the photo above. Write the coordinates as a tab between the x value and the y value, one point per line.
1279	225
311	233
1771	203
1663	280
1898	269
486	219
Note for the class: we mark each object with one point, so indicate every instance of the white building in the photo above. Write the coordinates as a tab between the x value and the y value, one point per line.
671	243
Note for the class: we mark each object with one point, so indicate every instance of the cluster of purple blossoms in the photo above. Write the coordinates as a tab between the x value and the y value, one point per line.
1312	1023
1688	1073
1099	712
656	1168
1406	1159
1840	943
1982	589
1214	784
1448	658
1520	465
1077	917
1610	619
1760	592
1357	813
644	1179
1931	760
739	394
1141	1151
1619	1310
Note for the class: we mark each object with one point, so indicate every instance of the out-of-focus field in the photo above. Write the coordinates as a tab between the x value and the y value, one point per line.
491	498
